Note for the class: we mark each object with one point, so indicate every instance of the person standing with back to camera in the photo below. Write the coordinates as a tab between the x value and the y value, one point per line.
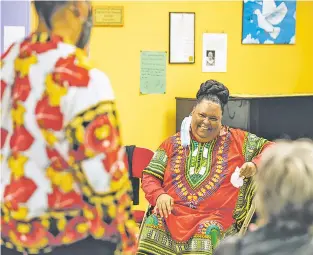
190	184
64	186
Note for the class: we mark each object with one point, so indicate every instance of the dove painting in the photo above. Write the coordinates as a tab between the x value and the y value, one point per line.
269	22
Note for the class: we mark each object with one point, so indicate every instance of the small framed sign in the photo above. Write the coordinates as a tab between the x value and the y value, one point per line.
108	16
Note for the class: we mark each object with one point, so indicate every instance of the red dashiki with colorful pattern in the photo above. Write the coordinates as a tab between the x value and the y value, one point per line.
198	179
61	157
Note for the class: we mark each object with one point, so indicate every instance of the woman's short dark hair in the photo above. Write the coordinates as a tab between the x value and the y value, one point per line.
47	8
213	91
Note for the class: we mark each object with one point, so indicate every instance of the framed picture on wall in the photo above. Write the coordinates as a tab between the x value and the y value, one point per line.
269	22
181	37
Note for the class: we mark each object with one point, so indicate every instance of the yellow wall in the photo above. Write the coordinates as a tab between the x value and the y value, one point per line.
148	119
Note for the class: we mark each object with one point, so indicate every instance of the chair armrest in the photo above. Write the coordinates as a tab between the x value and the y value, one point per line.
248	218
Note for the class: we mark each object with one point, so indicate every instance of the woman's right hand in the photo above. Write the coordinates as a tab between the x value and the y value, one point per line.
164	205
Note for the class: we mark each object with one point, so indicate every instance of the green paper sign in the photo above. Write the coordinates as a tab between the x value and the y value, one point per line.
152	72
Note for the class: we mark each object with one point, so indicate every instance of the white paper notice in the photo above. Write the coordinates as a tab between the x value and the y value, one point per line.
235	180
214	53
182	33
12	34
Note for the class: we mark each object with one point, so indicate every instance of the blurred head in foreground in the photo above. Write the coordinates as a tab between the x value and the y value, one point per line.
285	182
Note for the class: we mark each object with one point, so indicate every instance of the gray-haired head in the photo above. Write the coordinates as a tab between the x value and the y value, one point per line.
285	181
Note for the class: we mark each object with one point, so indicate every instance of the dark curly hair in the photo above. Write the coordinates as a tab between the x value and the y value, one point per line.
213	91
47	8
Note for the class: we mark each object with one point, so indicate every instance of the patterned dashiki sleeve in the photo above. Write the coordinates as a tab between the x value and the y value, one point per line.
158	163
253	146
96	155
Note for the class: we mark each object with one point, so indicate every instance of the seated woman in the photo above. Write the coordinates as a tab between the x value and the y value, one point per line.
284	203
191	185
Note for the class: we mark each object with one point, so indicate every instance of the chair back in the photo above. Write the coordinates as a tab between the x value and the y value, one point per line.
136	160
140	160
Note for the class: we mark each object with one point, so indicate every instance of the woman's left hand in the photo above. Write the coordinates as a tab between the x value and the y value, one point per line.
248	169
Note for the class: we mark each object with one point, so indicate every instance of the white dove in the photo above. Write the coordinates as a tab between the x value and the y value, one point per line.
271	15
